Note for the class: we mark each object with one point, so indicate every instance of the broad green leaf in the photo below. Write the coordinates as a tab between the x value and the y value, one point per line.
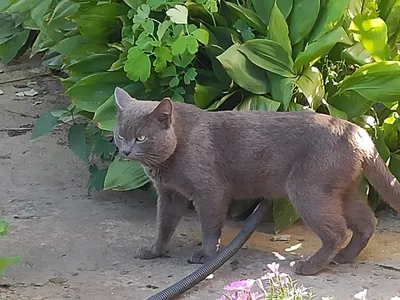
268	55
105	115
124	175
38	13
311	84
284	214
285	6
351	103
134	3
278	29
96	178
5	262
21	6
258	102
249	16
300	26
372	34
376	82
243	72
178	14
64	8
3	227
394	165
333	111
73	43
318	49
43	125
9	49
220	102
92	91
205	95
357	54
138	65
263	9
379	140
385	8
330	15
99	22
77	141
281	89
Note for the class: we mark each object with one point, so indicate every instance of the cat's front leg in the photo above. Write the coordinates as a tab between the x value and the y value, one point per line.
170	208
212	211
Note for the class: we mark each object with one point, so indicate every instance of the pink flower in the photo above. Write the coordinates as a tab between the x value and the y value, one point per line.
274	267
240	285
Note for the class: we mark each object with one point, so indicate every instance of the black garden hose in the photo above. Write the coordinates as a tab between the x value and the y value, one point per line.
201	273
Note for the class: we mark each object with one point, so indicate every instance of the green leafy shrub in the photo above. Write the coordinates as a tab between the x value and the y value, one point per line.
338	57
6	261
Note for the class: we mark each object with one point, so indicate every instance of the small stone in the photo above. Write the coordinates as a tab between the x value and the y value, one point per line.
115	263
124	272
58	280
31	93
1	92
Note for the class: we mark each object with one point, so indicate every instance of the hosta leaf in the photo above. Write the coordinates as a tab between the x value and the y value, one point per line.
278	29
268	55
257	102
379	81
138	65
263	9
281	88
285	6
351	103
105	115
99	22
311	84
314	51
328	18
92	91
43	125
9	49
124	175
357	54
77	141
284	214
249	16
372	34
394	165
205	95
96	178
300	26
243	72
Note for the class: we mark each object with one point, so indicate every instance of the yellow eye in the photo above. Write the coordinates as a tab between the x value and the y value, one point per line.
140	138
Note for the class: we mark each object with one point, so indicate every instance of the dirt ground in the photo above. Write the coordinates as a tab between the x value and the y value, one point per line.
76	246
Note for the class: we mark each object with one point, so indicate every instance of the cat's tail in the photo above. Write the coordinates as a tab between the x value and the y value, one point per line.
385	183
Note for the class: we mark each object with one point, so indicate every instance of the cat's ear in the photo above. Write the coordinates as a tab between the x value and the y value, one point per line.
122	98
163	112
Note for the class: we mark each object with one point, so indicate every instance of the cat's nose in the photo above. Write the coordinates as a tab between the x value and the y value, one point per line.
126	152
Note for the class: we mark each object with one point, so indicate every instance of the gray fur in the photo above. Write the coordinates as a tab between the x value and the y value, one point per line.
315	160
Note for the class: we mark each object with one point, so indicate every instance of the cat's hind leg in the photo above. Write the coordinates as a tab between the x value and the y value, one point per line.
171	206
322	213
360	220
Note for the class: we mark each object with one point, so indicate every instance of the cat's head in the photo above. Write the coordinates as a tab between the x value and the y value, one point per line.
144	130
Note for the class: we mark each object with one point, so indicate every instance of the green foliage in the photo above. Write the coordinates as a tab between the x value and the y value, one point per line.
6	261
338	57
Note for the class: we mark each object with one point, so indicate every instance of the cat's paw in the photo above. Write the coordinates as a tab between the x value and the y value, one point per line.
341	258
200	257
147	253
304	267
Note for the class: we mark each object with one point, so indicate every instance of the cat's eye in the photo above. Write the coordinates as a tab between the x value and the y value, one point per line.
140	138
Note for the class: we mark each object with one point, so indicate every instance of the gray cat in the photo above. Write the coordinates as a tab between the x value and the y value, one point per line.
313	159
